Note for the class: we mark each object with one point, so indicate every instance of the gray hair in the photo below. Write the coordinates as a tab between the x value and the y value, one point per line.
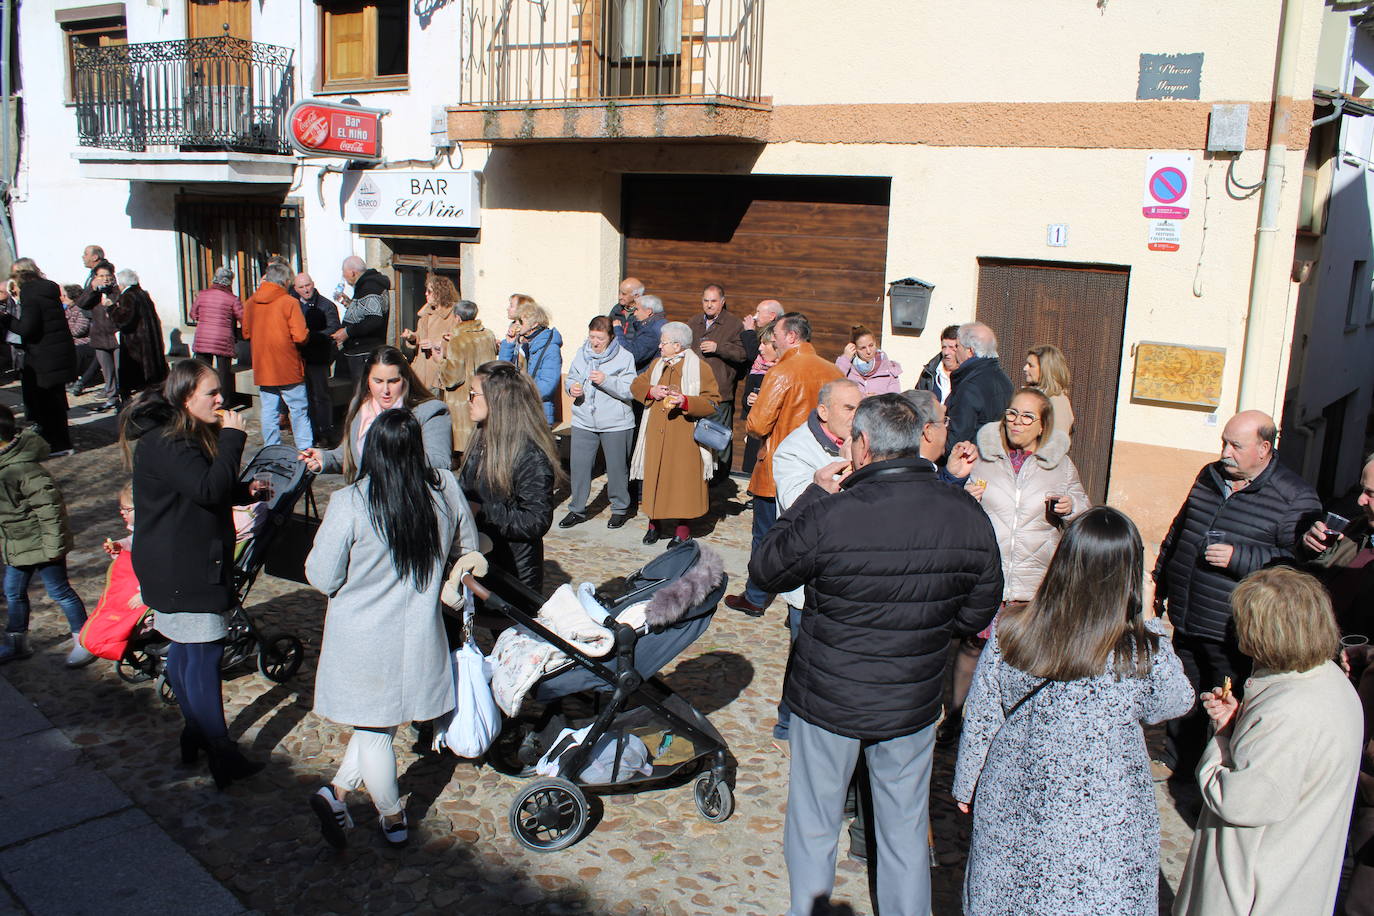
353	262
126	278
773	306
638	290
223	276
979	338
280	274
926	405
655	305
677	332
829	388
796	323
465	309
891	426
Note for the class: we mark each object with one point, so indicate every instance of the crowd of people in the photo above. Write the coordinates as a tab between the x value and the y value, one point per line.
947	578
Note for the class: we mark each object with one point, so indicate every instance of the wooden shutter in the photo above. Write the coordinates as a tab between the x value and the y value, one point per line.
207	18
350	37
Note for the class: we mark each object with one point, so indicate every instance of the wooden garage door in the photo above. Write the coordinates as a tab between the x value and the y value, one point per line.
817	245
1082	311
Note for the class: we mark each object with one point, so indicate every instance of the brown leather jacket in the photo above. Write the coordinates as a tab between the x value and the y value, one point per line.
789	393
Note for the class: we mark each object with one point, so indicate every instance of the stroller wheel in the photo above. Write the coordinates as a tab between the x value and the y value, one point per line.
715	801
165	691
548	815
136	666
280	656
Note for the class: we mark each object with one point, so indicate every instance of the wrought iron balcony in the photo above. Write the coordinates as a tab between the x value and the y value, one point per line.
550	51
205	94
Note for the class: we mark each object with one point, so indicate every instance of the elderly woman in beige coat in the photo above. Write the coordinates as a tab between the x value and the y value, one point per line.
1030	491
1278	776
676	390
468	346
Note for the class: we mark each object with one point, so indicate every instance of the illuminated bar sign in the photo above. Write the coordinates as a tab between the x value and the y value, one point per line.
335	129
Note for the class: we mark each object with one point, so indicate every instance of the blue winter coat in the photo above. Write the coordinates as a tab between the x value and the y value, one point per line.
603	408
543	355
641	338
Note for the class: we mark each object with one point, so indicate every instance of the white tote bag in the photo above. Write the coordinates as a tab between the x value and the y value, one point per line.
475	722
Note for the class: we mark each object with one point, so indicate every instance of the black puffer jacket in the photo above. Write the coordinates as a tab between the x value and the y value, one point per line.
183	499
48	347
1263	522
885	591
981	394
366	316
517	523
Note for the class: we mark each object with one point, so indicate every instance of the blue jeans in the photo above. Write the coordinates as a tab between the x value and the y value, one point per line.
297	404
782	729
54	577
765	516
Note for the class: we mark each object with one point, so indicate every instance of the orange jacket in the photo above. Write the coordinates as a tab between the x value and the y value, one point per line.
790	391
272	320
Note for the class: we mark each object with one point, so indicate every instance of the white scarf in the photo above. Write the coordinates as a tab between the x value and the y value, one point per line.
691	387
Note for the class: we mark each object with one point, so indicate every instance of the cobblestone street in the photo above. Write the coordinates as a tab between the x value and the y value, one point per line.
647	853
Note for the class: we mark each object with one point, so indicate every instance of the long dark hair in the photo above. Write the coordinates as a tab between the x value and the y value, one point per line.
400	495
169	400
1089	608
515	421
416	393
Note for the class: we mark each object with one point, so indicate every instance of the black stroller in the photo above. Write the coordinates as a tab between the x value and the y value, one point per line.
682	587
278	655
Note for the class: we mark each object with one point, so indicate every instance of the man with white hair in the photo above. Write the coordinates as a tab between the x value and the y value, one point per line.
142	348
640	333
364	320
764	314
982	390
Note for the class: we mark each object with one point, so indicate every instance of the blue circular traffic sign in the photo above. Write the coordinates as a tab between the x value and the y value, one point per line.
1168	185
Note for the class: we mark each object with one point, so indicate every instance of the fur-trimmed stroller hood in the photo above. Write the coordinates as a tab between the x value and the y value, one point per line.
673	601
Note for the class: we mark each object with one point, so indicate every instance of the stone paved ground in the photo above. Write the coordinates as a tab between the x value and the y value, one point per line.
648	853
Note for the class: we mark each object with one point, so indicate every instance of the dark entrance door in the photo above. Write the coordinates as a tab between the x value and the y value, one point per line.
1081	309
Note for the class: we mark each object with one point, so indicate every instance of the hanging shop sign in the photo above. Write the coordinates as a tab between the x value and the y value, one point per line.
336	129
411	197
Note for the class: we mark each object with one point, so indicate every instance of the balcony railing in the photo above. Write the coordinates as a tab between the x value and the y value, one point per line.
219	93
552	52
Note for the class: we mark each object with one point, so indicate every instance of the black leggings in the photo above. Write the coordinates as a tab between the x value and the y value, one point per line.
193	670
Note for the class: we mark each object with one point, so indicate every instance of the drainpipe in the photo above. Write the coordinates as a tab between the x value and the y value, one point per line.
7	253
1259	382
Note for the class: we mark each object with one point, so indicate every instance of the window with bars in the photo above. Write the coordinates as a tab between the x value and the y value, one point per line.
240	235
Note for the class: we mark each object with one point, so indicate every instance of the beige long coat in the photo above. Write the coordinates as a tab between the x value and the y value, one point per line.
1276	797
432	325
674	484
469	347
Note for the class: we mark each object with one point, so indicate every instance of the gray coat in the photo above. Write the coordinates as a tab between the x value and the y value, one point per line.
384	658
435	428
603	408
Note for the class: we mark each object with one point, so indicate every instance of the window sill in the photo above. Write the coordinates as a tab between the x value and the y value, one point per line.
360	87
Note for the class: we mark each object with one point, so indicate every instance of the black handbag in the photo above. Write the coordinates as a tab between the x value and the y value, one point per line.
291	543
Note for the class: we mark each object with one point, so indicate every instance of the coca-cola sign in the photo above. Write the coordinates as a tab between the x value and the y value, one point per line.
336	129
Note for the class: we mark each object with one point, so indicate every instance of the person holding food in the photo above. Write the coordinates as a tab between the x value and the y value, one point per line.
1279	773
434	325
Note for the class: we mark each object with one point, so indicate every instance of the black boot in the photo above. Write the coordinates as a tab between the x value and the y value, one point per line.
228	764
192	741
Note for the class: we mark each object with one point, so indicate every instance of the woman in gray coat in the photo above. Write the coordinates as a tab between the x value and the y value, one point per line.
379	556
602	419
386	382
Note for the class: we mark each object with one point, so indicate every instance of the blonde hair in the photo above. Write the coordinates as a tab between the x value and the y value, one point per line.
532	313
443	290
1284	620
1054	369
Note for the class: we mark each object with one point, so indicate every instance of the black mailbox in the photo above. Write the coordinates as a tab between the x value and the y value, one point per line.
910	304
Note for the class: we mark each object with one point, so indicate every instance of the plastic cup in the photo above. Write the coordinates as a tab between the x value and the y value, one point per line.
1354	641
268	485
1215	536
1335	524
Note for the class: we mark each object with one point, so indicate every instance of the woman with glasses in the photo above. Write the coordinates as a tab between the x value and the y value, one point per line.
510	469
1030	490
386	381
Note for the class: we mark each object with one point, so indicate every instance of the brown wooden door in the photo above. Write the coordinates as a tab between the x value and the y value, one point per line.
1082	311
817	245
207	18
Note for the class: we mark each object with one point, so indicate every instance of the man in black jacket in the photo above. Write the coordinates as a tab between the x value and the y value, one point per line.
1243	512
364	320
885	590
982	390
322	321
49	352
935	377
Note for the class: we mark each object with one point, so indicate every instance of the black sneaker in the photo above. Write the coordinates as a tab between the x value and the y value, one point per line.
571	519
618	520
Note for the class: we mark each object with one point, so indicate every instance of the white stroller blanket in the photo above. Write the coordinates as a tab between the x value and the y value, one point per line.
520	658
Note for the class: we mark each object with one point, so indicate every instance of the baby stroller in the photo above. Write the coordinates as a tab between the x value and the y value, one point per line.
278	655
682	588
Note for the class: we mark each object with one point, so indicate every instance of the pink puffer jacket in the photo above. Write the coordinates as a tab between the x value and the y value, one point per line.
886	377
216	311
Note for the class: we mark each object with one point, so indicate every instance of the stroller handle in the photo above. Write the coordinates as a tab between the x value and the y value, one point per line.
477	588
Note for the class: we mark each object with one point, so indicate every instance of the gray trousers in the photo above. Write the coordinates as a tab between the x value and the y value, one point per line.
822	763
582	458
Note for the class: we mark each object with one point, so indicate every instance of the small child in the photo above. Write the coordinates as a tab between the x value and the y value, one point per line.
120	610
34	540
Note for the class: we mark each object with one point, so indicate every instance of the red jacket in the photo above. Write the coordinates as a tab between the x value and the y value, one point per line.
273	322
216	311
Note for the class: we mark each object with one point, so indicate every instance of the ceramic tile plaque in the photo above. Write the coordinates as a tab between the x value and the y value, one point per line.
1178	374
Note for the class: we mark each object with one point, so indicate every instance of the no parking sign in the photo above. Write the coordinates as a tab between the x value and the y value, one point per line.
1168	185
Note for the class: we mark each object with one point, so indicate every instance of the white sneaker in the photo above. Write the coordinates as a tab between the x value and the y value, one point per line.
333	815
395	834
79	657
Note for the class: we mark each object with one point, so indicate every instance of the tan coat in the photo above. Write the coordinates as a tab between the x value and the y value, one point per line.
469	347
1015	503
1276	799
674	482
431	326
789	393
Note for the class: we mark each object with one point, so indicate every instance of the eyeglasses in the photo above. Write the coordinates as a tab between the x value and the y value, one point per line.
474	394
126	510
1021	419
